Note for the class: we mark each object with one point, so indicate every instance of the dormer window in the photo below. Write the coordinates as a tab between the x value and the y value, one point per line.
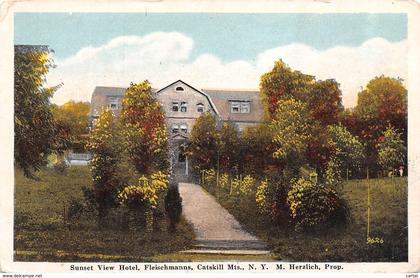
200	108
179	89
245	107
240	106
235	107
183	106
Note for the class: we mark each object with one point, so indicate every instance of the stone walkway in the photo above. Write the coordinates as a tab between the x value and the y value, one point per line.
217	231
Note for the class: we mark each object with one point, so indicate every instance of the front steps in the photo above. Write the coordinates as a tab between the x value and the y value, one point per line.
229	247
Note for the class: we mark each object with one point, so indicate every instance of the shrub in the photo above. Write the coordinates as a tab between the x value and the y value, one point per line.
277	201
90	200
224	181
144	198
235	183
261	197
146	192
332	174
173	206
75	210
247	186
312	205
348	154
208	178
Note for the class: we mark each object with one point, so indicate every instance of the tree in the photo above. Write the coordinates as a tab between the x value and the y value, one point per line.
257	148
229	147
283	82
144	130
291	133
36	132
105	148
324	102
384	99
391	149
348	153
382	103
74	118
203	145
319	151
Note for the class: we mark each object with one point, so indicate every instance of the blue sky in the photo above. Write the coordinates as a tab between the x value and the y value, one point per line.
229	36
228	50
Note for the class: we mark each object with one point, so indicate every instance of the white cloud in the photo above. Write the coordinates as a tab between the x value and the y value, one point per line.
163	58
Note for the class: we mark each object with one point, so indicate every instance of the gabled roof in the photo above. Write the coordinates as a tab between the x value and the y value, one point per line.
223	97
199	91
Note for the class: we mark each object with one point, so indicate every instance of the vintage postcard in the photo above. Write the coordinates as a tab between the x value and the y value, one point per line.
197	136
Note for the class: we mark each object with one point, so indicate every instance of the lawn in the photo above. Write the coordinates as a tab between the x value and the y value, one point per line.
43	233
348	244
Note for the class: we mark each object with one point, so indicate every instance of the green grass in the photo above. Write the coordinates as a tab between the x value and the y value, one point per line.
348	244
42	233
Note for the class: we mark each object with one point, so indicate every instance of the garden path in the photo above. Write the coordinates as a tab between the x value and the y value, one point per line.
217	231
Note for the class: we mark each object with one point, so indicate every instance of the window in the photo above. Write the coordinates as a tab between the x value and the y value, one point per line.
179	89
184	128
200	108
113	103
245	107
175	106
175	128
183	107
234	107
240	107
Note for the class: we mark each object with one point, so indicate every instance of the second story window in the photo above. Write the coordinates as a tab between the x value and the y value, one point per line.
200	108
175	128
184	128
113	103
183	106
175	106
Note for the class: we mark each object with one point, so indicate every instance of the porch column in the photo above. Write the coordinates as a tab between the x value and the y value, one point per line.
186	165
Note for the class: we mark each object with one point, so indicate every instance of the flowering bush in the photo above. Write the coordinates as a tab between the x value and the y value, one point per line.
333	172
146	192
208	177
234	186
224	181
261	197
247	185
311	204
